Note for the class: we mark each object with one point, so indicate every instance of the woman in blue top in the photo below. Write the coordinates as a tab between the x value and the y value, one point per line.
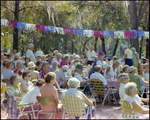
135	57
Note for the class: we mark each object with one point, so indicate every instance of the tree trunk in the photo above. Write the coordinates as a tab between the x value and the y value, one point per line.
95	45
15	34
84	45
103	45
133	22
115	49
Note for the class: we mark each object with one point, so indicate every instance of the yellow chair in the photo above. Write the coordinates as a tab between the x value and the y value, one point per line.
127	110
47	101
73	105
137	81
99	88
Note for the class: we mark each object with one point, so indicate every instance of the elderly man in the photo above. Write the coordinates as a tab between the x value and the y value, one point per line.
90	56
128	56
31	68
98	75
124	79
29	52
83	80
57	58
60	76
39	54
44	71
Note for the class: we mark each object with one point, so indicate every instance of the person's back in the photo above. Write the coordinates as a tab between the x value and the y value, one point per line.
129	53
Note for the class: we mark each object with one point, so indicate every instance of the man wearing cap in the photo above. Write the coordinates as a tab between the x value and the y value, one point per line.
31	68
29	52
127	56
132	71
60	76
83	80
57	58
101	61
90	56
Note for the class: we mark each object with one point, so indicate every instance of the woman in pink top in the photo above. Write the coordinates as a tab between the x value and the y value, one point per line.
49	90
65	61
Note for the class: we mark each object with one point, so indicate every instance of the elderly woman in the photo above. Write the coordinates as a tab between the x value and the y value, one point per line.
65	61
8	72
73	84
131	91
4	65
26	85
110	72
19	69
27	60
135	57
125	69
14	88
54	66
49	90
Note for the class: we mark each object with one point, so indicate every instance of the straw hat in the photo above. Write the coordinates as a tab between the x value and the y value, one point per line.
31	64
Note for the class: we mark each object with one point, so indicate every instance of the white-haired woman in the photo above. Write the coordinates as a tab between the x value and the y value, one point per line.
73	84
54	66
19	68
29	52
110	72
131	91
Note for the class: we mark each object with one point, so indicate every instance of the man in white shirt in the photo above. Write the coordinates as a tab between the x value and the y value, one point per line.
99	76
39	54
91	56
83	80
57	58
31	95
127	56
124	79
29	53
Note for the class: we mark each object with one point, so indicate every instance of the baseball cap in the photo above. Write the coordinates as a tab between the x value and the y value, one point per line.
79	66
101	54
65	67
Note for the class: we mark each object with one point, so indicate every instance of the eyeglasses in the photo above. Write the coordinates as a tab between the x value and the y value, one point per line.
29	75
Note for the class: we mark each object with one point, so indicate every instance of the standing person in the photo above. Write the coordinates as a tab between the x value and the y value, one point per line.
127	57
90	56
29	52
38	54
135	57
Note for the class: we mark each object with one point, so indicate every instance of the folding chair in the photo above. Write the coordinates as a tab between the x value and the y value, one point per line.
46	101
137	81
73	105
127	111
99	88
143	91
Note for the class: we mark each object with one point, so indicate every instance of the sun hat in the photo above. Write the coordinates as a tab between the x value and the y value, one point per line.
31	64
131	68
79	66
101	54
65	67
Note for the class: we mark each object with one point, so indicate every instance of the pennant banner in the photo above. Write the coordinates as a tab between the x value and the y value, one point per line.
134	34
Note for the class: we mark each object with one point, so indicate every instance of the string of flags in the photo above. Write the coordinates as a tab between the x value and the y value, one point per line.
134	34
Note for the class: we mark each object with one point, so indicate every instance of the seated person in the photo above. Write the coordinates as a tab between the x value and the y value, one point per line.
31	95
57	58
14	88
44	71
19	68
65	61
124	79
98	75
38	66
49	90
4	65
31	68
125	69
83	80
60	76
26	85
49	59
27	60
146	71
131	90
54	66
110	72
73	84
8	72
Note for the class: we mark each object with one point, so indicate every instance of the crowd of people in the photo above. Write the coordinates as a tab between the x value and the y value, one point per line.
37	74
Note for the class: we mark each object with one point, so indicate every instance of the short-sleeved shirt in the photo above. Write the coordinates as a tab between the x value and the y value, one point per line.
60	76
101	63
15	90
91	54
38	53
29	54
7	73
55	59
64	62
48	90
128	53
97	75
79	77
